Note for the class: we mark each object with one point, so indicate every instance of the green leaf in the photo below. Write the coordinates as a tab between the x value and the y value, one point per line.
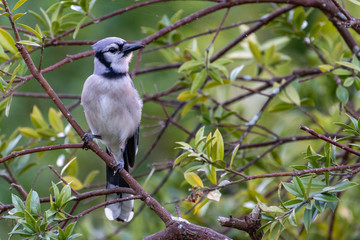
55	120
191	65
342	94
340	187
292	94
199	80
71	168
291	189
7	41
31	43
234	152
307	218
348	82
220	145
78	27
349	65
90	177
326	197
17	16
74	182
325	67
219	164
281	107
186	95
18	4
29	132
235	72
193	179
211	174
180	158
39	35
255	50
188	106
18	203
37	16
215	76
37	119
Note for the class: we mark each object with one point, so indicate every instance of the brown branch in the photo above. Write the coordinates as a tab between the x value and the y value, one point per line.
249	224
326	139
186	231
39	149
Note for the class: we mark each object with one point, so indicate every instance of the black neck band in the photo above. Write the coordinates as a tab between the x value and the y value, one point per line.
110	74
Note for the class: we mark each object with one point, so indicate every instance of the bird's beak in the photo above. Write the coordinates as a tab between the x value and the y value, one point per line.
127	48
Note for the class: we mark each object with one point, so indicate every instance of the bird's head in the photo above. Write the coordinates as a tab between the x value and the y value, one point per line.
112	55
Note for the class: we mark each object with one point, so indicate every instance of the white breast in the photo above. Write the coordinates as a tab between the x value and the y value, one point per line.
112	109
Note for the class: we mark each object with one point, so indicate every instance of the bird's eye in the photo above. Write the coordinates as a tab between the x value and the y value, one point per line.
112	50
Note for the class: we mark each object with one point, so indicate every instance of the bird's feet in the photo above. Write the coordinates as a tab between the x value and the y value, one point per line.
119	167
87	137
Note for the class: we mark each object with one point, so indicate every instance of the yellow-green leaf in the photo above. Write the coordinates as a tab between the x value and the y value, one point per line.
18	4
71	168
255	51
39	35
90	177
7	41
220	145
17	16
74	182
325	67
55	120
199	206
190	65
30	43
29	132
193	179
188	107
186	95
37	119
234	152
199	80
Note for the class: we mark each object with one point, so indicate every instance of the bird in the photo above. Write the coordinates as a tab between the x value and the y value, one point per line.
113	110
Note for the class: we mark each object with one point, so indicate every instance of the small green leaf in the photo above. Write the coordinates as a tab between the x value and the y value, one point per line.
307	218
7	41
342	94
326	197
215	76
186	95
17	16
74	182
292	94
29	132
235	72
219	164
349	65
348	82
191	65
180	158
255	51
234	152
18	203
55	120
220	145
31	43
78	27
193	179
325	67
39	35
90	177
71	168
18	4
199	80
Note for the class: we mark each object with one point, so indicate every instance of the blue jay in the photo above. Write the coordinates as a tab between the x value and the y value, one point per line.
113	111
